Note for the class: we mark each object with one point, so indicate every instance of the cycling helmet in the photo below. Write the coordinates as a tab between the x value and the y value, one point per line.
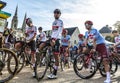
40	28
28	20
80	35
57	11
89	22
64	31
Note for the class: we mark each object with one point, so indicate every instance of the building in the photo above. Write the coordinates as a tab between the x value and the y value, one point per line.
73	32
14	23
106	32
24	23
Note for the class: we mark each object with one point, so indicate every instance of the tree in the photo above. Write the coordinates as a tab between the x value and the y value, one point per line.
117	26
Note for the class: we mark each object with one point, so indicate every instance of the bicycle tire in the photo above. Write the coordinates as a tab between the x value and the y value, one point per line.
76	69
38	64
8	65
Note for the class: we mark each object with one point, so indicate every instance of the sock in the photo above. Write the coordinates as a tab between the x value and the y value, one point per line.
55	70
108	75
33	64
56	67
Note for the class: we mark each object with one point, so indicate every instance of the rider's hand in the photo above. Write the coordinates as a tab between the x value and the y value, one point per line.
92	50
52	42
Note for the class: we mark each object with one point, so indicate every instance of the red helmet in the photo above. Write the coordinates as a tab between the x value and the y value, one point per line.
89	22
80	35
64	31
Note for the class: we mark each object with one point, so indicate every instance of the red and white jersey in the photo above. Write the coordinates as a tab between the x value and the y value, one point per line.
57	28
41	36
30	31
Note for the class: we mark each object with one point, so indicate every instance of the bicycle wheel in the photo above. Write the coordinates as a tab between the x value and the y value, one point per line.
41	66
82	70
21	61
8	63
113	68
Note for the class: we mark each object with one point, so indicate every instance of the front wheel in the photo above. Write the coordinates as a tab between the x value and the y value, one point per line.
82	69
41	66
9	63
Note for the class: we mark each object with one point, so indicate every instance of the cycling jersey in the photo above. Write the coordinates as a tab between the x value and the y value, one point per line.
41	36
65	40
94	34
30	31
57	28
117	40
81	43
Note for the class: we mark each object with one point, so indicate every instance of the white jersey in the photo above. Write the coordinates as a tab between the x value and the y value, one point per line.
117	40
57	28
30	31
41	36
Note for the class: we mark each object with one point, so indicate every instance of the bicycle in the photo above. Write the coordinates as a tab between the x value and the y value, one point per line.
24	57
44	61
8	63
64	58
92	63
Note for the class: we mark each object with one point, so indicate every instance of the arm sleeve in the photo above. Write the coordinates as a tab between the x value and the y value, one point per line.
35	30
96	34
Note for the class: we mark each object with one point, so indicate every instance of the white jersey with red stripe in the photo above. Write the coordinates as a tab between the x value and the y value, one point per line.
117	40
30	31
41	36
57	28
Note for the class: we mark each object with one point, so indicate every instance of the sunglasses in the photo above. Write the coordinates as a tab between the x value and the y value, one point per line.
88	25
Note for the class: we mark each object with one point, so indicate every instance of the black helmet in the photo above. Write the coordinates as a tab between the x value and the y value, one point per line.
57	11
40	28
28	20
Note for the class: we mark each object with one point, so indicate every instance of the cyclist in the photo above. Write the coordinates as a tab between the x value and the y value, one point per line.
117	40
57	28
40	39
30	33
65	44
81	44
94	37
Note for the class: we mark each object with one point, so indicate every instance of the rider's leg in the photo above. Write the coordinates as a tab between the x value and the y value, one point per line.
41	46
101	48
33	51
56	56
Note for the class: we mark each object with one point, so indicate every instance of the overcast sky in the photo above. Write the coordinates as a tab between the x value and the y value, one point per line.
74	12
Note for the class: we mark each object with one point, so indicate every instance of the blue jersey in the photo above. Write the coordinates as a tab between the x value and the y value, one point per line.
94	34
65	40
81	43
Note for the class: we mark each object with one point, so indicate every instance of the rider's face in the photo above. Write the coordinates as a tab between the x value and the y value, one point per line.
30	24
57	15
88	26
64	34
40	31
115	34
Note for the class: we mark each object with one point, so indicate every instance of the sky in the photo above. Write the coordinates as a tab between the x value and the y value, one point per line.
74	12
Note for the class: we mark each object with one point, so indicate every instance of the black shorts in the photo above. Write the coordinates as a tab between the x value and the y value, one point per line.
32	45
57	46
38	44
